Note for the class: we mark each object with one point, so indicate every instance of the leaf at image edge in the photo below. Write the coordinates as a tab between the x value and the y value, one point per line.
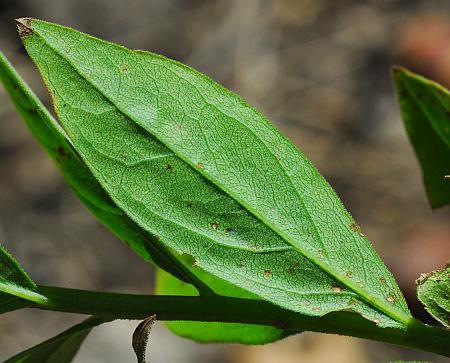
433	290
16	287
425	107
59	349
52	138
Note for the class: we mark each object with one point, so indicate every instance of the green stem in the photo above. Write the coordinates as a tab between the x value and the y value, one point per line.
225	309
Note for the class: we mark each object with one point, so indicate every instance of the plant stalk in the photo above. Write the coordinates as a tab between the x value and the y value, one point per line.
226	309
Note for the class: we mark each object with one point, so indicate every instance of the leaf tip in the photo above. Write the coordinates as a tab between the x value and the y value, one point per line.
24	27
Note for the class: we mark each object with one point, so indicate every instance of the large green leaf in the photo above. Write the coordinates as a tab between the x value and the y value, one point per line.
59	349
192	163
204	332
53	139
17	290
433	290
425	109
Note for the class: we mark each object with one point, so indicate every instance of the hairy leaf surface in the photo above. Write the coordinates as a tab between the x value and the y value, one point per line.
59	349
433	290
192	163
425	109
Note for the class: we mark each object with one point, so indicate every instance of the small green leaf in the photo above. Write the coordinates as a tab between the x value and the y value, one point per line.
53	139
191	162
17	290
59	349
214	332
433	290
425	109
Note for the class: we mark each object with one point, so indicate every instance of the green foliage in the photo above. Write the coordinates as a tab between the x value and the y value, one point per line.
59	349
17	290
161	139
251	241
425	108
53	139
203	332
433	290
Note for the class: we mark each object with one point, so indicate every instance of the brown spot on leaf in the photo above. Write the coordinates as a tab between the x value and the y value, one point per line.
336	288
292	268
277	156
382	280
189	204
200	165
63	153
349	274
355	227
214	225
267	273
125	69
228	230
390	299
316	309
169	168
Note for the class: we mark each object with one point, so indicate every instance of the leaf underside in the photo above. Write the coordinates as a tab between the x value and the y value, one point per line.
54	141
433	290
193	164
425	109
59	349
206	332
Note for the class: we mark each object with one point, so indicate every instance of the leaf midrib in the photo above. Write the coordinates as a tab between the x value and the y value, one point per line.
379	304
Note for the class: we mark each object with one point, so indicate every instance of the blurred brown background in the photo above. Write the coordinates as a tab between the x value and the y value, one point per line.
319	69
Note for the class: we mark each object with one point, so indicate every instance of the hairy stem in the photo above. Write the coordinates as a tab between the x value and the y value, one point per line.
226	309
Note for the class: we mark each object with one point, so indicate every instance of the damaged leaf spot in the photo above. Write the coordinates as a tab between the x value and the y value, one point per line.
390	299
349	274
337	289
267	273
292	268
214	225
228	230
200	165
169	168
24	27
355	227
316	309
63	153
